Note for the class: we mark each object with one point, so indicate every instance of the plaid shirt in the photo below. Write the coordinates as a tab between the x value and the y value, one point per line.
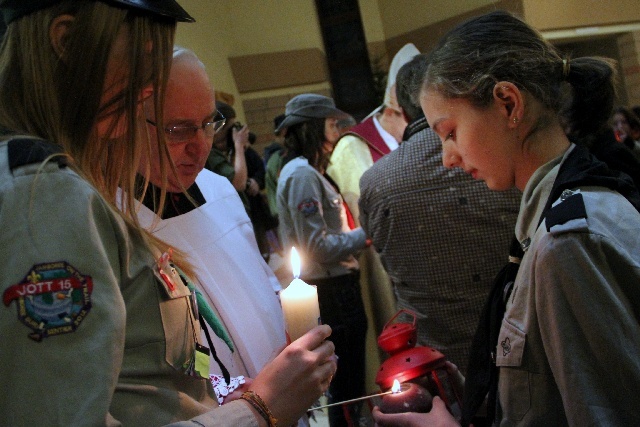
442	238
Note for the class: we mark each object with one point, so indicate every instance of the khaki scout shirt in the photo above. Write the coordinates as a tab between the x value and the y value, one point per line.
569	345
89	334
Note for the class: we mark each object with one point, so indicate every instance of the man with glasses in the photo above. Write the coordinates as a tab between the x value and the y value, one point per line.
217	234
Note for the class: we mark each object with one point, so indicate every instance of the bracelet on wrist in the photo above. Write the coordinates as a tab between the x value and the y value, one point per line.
259	405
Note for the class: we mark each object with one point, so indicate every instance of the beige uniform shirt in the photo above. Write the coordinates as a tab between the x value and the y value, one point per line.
89	334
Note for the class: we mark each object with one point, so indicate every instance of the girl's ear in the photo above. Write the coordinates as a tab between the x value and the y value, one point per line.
510	101
58	32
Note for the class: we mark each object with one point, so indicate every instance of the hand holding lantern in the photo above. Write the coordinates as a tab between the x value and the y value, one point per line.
417	364
409	397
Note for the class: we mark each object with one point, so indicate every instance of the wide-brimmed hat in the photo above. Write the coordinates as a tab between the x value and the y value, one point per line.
14	9
307	106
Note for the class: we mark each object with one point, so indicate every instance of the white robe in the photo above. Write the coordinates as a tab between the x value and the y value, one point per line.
234	278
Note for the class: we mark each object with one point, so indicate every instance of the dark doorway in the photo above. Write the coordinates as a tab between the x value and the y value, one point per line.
347	56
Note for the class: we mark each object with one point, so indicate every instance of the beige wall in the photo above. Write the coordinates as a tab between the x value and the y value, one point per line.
260	37
371	20
403	16
211	38
555	14
248	27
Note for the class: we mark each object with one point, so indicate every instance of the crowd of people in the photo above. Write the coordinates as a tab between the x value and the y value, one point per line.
139	222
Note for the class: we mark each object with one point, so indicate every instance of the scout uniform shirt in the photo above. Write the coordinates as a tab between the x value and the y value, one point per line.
570	338
90	334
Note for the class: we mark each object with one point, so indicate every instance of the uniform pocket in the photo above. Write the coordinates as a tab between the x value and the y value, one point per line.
514	385
178	324
511	343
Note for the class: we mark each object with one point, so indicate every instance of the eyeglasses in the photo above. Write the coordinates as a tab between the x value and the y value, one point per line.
180	133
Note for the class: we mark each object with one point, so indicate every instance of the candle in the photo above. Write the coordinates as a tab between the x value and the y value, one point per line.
299	303
408	398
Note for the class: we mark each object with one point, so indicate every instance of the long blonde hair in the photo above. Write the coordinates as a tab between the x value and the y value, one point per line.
58	97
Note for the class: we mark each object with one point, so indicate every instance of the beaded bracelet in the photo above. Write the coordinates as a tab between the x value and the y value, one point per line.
262	408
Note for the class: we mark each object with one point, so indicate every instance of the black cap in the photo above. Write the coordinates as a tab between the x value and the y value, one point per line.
14	9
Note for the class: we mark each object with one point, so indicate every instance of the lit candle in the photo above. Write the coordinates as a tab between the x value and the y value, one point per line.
299	303
408	398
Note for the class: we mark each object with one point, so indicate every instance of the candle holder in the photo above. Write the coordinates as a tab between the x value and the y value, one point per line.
422	365
410	398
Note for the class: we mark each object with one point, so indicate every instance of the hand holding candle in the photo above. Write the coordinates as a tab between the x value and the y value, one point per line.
299	303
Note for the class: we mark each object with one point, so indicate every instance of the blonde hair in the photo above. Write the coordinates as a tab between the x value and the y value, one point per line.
49	95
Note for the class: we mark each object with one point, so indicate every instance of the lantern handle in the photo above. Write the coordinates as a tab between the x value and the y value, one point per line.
409	312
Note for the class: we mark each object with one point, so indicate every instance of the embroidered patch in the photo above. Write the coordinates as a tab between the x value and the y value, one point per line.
52	299
308	207
506	346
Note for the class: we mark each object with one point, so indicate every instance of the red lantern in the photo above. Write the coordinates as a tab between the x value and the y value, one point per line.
422	365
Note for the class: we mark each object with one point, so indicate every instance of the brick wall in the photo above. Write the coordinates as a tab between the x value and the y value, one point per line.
629	47
260	113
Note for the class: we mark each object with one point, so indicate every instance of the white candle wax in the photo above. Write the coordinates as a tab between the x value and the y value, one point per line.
299	303
300	308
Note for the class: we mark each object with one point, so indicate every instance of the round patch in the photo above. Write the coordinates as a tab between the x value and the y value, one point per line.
52	299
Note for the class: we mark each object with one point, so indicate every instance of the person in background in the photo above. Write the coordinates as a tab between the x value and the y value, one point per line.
273	156
419	214
273	161
278	141
625	125
231	139
498	116
345	125
259	212
635	133
358	149
377	135
315	220
95	310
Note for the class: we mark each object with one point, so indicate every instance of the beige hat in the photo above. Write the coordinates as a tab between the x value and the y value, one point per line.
404	55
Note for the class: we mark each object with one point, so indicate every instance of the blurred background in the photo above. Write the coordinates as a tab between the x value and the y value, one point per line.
261	53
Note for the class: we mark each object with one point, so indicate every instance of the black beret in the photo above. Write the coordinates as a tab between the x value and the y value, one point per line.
14	9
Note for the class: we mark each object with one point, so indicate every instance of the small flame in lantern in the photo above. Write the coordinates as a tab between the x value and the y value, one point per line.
395	388
295	263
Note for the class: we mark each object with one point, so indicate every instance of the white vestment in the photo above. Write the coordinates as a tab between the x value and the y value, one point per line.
232	275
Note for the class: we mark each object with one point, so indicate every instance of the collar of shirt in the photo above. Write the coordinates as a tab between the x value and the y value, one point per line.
386	136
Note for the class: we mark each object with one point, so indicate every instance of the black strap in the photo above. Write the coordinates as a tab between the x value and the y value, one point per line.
482	373
225	371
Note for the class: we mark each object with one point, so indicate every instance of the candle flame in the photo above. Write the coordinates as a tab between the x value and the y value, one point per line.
395	388
295	262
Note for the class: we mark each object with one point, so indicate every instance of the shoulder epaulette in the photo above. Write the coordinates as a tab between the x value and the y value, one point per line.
26	151
568	209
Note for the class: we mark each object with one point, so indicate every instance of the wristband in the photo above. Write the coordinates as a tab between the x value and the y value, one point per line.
259	405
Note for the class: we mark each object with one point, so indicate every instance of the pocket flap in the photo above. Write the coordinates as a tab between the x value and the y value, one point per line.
510	345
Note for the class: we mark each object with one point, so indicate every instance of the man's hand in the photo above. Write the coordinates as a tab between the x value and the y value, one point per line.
439	416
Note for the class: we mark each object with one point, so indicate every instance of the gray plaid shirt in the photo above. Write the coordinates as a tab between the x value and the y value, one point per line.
442	238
